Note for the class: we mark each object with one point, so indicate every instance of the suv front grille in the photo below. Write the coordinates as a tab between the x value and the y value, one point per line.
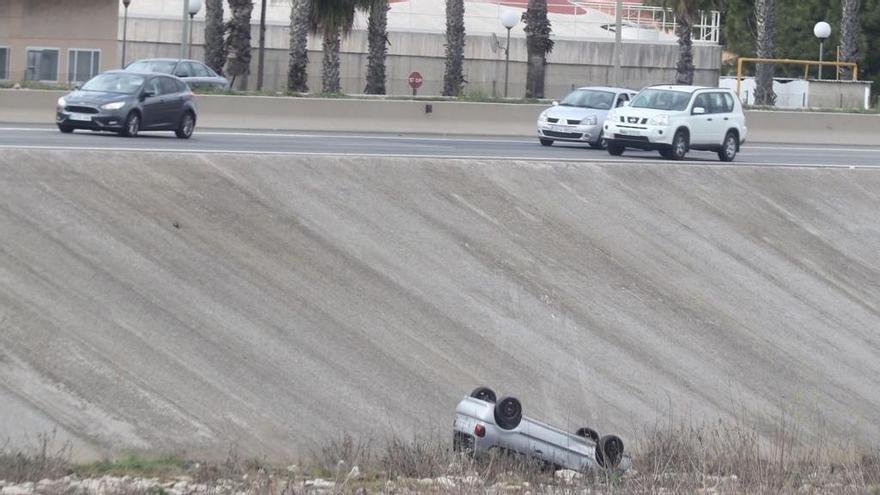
633	120
623	137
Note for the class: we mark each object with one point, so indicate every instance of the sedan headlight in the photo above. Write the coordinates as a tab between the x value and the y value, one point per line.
62	102
543	117
660	120
116	105
591	120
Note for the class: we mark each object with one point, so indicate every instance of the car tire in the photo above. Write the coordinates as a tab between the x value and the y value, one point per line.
615	149
508	413
609	451
679	147
66	129
187	126
728	150
600	143
484	394
588	433
546	142
132	125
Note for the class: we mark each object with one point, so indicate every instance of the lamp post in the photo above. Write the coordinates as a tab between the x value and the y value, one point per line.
509	19
125	3
822	30
194	7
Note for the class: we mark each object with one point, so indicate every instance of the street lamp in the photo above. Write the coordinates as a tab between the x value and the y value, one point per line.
509	19
194	7
822	30
125	3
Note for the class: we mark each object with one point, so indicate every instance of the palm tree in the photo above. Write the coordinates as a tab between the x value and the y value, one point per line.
765	31
297	72
215	49
332	18
453	79
850	26
538	44
238	42
686	11
377	36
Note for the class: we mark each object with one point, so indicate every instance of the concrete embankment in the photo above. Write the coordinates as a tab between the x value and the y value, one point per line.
191	302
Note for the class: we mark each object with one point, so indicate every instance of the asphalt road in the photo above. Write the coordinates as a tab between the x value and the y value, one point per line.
374	144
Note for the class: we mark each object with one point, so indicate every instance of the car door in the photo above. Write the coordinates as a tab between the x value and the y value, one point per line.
702	125
202	76
172	105
152	105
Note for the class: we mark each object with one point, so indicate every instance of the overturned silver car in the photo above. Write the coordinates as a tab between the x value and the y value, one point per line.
483	423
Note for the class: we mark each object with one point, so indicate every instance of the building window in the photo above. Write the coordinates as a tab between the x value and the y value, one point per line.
82	65
42	64
4	63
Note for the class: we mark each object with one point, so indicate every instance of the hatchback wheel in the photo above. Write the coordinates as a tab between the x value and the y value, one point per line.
66	129
187	126
728	150
600	143
132	125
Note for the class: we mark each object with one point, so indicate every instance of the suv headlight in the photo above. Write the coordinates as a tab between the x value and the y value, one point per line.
591	120
116	105
62	102
660	120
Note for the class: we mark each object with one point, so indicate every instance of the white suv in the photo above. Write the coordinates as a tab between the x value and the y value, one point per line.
675	119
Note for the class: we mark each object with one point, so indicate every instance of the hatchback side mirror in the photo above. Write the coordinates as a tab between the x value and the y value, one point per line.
699	111
555	103
147	94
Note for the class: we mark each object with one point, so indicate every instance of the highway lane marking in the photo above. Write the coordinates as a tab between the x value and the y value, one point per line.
566	145
445	157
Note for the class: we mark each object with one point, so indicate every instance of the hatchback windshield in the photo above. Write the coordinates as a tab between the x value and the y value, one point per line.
588	98
661	99
114	83
161	66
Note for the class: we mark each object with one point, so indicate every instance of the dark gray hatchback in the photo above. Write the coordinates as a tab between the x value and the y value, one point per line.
127	103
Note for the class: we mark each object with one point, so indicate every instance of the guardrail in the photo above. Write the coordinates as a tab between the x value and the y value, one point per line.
437	117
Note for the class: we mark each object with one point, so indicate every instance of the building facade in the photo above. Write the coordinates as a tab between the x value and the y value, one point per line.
57	42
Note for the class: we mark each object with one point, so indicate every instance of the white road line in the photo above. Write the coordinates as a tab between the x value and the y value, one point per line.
445	157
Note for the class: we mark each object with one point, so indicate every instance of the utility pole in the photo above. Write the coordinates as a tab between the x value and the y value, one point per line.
262	53
618	38
185	34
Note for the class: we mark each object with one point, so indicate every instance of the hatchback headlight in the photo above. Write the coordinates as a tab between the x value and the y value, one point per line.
62	102
543	117
591	120
660	120
116	105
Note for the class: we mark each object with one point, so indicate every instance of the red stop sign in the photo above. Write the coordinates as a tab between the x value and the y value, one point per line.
415	80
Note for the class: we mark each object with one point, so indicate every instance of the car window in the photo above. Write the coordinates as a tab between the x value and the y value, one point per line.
623	98
703	102
662	99
199	70
168	86
728	102
114	83
183	70
153	86
160	66
588	98
181	86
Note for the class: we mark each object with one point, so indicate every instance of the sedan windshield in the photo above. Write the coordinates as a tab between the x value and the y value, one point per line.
661	99
114	83
588	98
160	66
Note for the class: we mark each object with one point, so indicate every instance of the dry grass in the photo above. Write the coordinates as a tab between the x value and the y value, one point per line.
47	458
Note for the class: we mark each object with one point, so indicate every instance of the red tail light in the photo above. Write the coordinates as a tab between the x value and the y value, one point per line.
480	431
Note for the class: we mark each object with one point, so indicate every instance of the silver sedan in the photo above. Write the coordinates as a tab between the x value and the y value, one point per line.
194	73
578	118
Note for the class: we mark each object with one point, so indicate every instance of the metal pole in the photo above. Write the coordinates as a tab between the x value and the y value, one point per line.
261	55
185	33
507	63
124	35
189	52
618	37
821	49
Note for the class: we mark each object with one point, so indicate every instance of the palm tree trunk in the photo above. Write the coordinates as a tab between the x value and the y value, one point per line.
765	24
330	73
538	44
215	51
453	79
239	40
685	67
850	25
377	34
297	71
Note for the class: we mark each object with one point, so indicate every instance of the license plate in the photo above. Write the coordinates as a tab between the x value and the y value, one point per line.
81	117
627	132
558	128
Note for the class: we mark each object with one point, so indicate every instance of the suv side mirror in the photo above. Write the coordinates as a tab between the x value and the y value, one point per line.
699	111
626	103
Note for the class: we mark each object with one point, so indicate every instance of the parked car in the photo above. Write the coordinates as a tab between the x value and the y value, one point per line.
193	72
674	119
127	103
483	423
579	116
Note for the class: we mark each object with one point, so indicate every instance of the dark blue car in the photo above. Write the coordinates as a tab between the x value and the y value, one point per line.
127	103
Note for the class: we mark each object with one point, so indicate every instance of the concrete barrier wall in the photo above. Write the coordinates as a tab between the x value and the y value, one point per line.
445	117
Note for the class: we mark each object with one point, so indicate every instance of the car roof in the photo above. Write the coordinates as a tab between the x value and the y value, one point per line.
166	60
684	88
142	74
609	88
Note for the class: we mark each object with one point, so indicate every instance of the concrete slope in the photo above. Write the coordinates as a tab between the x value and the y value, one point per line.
191	302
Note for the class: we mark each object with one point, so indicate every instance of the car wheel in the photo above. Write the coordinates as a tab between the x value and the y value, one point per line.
609	451
728	150
187	126
600	143
615	149
484	394
679	146
66	129
132	125
588	433
546	142
508	413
